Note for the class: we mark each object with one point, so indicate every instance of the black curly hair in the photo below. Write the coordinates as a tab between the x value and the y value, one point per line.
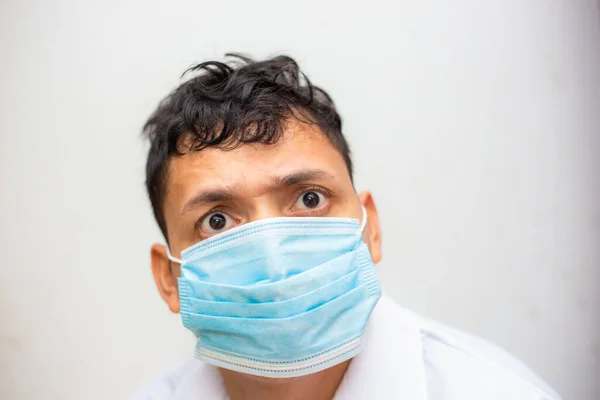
227	104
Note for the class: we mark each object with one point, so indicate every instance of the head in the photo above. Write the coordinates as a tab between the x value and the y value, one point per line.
241	141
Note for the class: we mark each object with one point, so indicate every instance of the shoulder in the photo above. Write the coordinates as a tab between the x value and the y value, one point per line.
190	379
459	361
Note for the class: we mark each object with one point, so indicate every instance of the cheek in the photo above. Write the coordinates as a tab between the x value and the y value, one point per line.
176	271
374	248
366	237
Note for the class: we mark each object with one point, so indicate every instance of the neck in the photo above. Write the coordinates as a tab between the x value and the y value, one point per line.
318	386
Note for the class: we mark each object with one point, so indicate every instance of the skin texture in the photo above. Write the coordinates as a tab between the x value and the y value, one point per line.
252	182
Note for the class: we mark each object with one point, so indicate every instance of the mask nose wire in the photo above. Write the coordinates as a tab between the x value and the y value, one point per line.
362	229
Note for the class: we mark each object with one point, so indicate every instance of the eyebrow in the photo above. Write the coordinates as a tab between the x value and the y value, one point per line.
300	177
226	194
211	196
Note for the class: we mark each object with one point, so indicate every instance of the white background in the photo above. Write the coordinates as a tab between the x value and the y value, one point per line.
475	123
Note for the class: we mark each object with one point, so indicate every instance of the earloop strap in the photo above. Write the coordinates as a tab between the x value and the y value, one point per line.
364	219
170	256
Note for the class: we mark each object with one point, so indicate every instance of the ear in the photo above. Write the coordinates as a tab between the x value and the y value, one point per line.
372	233
165	276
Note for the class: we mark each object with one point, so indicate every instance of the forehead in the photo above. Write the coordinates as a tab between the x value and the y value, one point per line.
302	146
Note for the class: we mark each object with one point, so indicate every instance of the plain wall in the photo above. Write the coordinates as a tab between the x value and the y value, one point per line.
475	124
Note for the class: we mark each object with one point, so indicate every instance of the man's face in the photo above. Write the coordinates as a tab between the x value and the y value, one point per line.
213	190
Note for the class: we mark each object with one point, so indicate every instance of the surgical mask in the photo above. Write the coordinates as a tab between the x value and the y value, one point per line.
279	297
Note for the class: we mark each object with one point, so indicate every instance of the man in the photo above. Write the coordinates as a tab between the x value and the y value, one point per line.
270	254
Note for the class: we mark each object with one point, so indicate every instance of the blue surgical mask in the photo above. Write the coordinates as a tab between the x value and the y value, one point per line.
279	297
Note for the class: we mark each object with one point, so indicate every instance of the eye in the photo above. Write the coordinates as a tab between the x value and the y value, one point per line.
310	200
216	222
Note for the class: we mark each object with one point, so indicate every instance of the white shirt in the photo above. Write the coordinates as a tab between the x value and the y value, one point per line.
405	357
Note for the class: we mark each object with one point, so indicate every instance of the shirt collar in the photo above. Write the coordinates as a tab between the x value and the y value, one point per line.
391	362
